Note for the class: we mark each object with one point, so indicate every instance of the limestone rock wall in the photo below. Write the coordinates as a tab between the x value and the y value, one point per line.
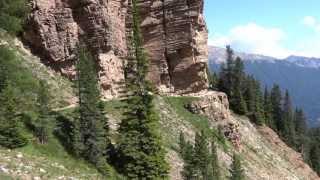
174	31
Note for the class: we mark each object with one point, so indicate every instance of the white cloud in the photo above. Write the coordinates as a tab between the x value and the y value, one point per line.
311	22
253	38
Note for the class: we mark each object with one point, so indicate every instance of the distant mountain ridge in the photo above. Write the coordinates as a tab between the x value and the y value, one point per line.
300	75
218	55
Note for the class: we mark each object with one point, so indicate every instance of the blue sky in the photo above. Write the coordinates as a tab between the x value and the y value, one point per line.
271	27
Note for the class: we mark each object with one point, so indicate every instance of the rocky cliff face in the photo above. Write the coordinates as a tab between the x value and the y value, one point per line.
174	31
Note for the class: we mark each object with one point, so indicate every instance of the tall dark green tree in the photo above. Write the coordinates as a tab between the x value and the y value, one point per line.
250	94
92	137
237	101
236	170
215	168
287	123
142	155
189	171
182	143
10	136
231	79
226	73
315	157
42	121
259	116
201	156
300	122
268	109
276	99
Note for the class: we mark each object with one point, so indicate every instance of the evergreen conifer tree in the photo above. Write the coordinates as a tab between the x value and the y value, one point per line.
250	94
236	170
237	101
300	122
215	163
287	125
259	117
10	136
142	155
315	157
41	124
276	99
226	74
182	143
189	171
91	134
301	130
268	109
201	156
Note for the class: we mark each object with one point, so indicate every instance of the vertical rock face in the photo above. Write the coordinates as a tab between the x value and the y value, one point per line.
57	26
175	37
174	31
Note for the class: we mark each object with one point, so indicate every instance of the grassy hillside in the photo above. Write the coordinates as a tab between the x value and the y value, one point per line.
60	87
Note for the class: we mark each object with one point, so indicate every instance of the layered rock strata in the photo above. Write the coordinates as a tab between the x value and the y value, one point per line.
174	31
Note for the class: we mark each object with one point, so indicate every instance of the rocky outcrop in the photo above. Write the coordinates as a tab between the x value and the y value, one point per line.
215	106
174	31
212	104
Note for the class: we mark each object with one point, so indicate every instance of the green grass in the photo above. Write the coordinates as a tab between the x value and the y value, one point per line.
5	177
60	88
199	122
54	152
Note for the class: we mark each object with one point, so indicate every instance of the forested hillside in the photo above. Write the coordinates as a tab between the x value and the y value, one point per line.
297	74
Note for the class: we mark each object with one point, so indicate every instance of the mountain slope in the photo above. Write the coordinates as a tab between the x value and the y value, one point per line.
297	74
263	154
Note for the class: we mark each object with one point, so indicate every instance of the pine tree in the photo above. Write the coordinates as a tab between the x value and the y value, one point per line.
213	81
215	163
188	172
182	143
301	130
237	102
236	170
300	122
276	99
250	94
5	57
268	109
91	135
226	73
142	155
10	136
259	117
41	124
201	156
315	157
287	124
